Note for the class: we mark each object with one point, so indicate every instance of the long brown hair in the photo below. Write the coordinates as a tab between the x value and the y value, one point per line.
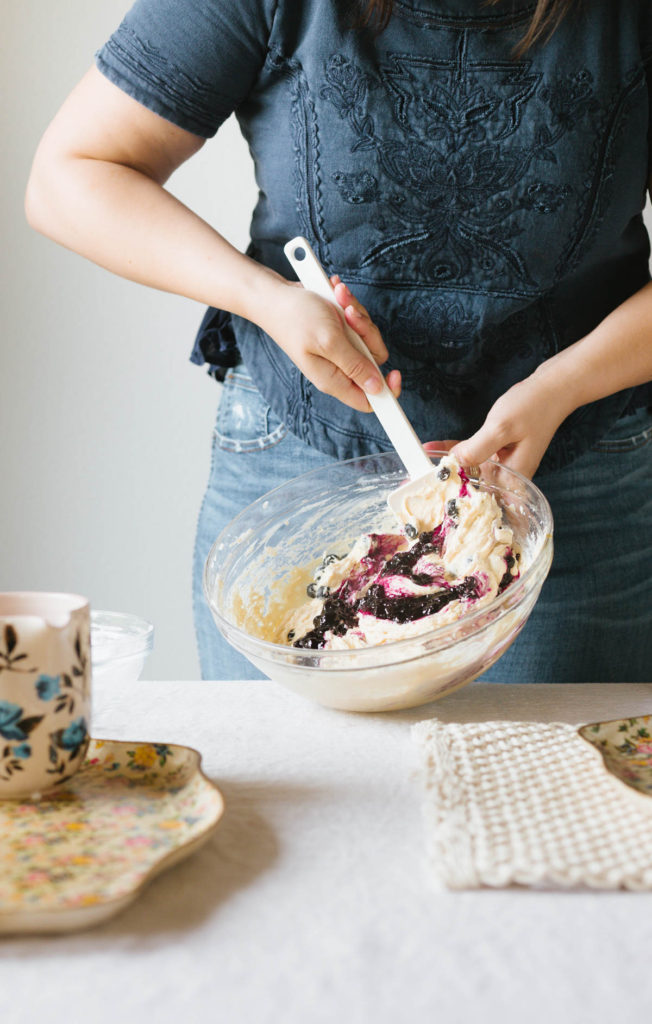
545	18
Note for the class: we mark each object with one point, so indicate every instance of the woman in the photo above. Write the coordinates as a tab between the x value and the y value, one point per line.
476	173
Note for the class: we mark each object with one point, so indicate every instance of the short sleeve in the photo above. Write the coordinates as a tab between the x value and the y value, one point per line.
190	61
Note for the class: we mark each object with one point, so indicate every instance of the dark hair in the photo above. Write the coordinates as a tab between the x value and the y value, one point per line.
545	18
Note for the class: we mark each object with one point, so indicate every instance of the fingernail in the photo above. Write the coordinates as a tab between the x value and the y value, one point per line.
346	288
352	311
373	386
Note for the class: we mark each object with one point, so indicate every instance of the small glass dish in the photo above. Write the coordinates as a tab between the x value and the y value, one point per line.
248	567
120	643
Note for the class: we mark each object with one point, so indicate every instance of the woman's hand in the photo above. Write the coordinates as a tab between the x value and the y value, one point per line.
518	427
311	332
615	355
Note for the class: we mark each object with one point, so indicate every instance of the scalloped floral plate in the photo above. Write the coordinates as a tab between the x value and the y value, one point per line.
626	748
85	851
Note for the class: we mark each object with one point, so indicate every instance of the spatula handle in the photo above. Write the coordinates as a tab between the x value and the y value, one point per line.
396	424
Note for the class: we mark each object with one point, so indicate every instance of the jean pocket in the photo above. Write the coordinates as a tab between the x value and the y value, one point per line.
245	422
629	433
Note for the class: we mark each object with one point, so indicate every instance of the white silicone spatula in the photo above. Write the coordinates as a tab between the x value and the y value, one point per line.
396	424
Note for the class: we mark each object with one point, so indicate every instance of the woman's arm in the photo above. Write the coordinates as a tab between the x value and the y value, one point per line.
96	187
614	356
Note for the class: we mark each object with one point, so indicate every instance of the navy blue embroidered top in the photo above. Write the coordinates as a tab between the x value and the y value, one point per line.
487	211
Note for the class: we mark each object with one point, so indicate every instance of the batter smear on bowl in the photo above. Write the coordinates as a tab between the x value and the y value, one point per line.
454	553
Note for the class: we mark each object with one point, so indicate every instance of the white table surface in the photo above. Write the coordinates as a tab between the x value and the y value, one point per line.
311	902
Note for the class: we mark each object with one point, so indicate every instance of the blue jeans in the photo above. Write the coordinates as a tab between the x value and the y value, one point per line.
593	620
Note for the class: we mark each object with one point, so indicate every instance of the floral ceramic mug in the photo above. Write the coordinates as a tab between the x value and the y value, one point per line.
45	690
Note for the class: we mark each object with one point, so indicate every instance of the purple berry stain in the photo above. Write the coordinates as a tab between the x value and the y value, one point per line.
340	610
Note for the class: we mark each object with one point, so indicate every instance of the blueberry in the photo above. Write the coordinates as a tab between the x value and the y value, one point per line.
323	591
328	560
311	590
505	582
410	531
291	635
509	561
444	473
451	507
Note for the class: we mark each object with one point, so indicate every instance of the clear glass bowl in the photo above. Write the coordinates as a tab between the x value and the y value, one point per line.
325	510
120	644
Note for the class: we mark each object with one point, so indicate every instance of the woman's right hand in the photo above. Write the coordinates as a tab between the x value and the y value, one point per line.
311	332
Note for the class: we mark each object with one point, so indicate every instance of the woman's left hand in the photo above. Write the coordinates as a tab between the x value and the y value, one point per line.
518	427
615	355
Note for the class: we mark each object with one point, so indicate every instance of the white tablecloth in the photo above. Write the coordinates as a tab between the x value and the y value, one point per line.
311	902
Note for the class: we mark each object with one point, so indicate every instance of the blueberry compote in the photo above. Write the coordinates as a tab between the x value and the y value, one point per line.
383	583
341	609
510	572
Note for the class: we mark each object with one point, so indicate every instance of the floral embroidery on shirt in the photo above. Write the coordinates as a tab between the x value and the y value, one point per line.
357	188
305	135
444	353
457	177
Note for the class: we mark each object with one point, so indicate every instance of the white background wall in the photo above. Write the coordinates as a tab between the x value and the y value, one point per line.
104	423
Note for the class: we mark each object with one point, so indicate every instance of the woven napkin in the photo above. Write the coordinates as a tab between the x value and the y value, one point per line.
528	803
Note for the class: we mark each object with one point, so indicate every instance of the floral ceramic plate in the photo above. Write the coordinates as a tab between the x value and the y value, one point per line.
626	748
83	852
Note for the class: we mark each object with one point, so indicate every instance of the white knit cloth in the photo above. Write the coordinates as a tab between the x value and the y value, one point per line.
529	803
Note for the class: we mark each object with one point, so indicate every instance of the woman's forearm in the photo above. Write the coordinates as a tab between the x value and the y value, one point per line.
127	222
616	355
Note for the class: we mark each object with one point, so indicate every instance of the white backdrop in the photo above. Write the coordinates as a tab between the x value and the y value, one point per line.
104	424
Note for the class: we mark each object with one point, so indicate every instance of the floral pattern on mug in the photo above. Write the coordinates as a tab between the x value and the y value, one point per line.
15	726
13	723
66	745
47	687
9	660
44	690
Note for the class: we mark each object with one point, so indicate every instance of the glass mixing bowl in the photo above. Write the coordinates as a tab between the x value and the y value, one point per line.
283	536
